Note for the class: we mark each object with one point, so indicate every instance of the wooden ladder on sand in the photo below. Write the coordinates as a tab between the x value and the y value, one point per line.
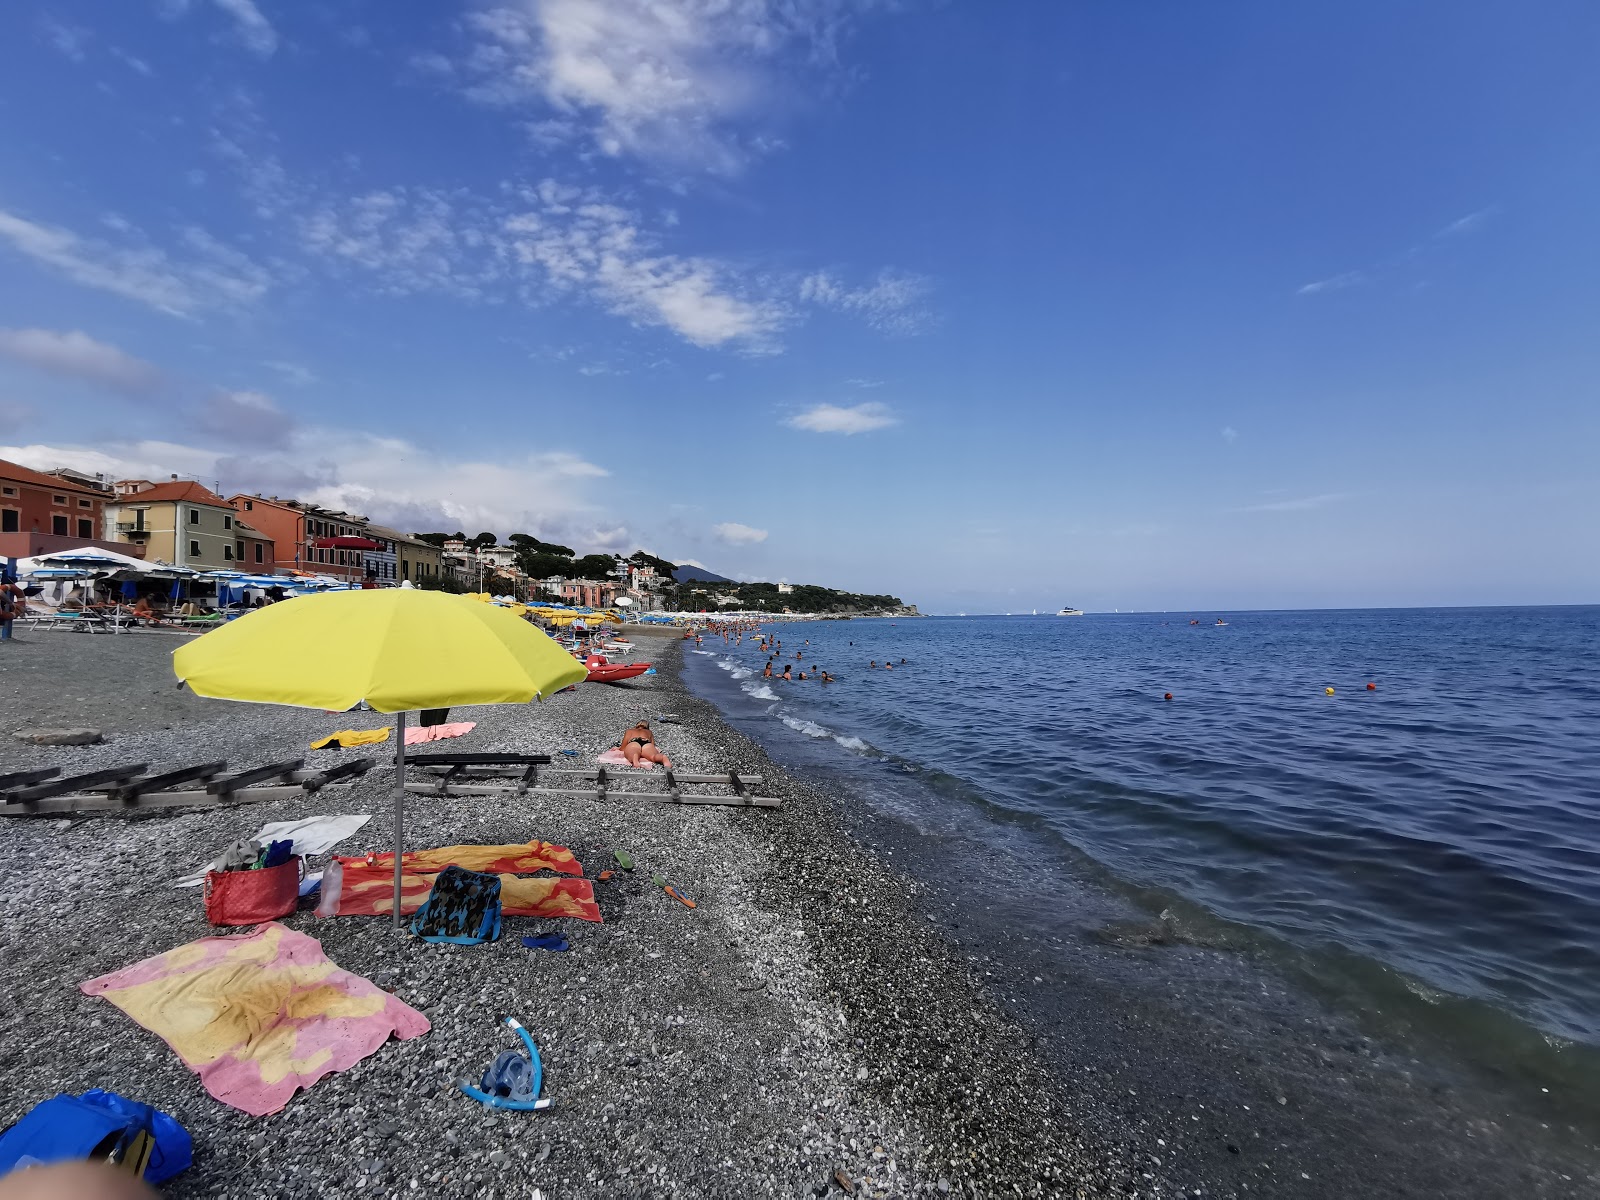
521	775
45	790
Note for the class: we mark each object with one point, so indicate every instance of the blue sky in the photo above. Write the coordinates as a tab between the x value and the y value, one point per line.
993	306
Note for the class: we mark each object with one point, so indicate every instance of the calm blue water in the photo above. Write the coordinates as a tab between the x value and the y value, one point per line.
1442	830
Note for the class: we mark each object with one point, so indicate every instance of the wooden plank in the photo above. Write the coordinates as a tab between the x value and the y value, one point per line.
160	783
622	773
450	760
314	780
255	775
488	789
95	802
72	783
14	779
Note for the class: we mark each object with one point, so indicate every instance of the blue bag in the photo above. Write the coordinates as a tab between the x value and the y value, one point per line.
100	1126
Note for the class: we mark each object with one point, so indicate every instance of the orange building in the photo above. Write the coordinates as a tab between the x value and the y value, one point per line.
41	513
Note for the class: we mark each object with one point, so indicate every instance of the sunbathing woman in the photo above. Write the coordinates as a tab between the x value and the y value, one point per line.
639	744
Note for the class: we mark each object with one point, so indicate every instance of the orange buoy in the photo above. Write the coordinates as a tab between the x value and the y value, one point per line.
1372	687
1168	696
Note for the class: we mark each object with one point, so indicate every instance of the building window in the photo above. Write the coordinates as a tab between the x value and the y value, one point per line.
249	506
258	553
58	525
85	528
10	520
8	491
138	519
405	570
85	503
194	516
238	550
58	500
194	549
227	553
227	522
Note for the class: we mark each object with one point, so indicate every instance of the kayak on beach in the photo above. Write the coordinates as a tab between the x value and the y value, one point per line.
602	671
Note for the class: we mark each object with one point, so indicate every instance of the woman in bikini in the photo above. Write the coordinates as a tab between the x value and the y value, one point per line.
639	744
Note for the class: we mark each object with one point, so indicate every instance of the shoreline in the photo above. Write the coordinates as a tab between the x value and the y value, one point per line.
1196	1055
803	1020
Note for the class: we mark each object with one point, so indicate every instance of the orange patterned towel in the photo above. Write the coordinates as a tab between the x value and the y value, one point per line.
517	859
352	887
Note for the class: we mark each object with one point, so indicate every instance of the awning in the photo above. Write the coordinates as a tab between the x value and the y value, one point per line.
346	543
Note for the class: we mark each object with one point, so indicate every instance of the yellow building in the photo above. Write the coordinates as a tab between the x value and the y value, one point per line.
187	525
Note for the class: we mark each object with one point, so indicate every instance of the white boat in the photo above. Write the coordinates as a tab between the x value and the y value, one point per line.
1070	612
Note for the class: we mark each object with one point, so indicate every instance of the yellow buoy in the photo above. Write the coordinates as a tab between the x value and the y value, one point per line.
1327	691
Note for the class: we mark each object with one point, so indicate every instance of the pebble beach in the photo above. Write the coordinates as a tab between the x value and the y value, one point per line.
804	1029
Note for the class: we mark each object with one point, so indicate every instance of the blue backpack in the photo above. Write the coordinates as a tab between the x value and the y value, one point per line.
99	1127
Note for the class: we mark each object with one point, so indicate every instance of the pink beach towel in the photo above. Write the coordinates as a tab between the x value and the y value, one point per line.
258	1017
435	733
615	758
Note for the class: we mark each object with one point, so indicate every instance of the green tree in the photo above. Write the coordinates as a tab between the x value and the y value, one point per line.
486	539
594	566
536	564
433	539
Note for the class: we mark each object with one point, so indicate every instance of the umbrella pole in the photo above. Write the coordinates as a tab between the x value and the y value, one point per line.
399	805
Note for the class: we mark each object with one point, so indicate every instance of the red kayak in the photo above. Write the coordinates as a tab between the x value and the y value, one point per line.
601	671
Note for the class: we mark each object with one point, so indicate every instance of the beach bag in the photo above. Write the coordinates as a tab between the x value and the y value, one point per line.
98	1127
251	897
463	908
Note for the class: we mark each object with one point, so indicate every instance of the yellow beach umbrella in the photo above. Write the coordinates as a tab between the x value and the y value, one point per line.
396	649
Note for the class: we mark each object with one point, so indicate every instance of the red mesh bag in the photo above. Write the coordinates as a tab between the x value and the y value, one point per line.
251	897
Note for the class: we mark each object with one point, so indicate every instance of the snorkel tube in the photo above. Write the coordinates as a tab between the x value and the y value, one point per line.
520	1078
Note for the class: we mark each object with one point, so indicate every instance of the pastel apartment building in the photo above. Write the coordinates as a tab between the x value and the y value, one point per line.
186	524
308	538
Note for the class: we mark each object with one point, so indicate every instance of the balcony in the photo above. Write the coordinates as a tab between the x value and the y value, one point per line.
131	527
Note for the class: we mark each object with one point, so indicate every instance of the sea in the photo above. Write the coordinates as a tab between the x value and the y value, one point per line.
1398	810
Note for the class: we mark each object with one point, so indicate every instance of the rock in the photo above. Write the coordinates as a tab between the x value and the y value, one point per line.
59	737
497	1157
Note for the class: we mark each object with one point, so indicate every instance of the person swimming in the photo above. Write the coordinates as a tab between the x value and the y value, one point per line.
767	673
786	674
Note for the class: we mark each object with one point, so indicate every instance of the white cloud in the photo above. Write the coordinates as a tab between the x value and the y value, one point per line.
574	239
395	481
892	303
78	356
1298	504
1470	223
133	63
657	79
836	418
1333	283
253	30
293	372
736	534
250	420
210	276
69	40
1411	256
